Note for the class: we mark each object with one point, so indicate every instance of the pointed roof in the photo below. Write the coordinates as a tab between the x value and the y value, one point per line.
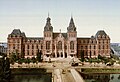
71	26
100	32
18	32
35	38
56	35
48	26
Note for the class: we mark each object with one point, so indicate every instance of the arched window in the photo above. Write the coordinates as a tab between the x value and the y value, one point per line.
72	45
94	53
32	46
60	45
27	46
48	45
90	54
90	46
103	47
94	47
37	46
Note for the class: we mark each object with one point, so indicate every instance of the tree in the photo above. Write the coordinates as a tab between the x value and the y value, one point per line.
90	60
112	62
22	54
98	60
17	55
4	69
82	56
27	60
7	70
33	59
105	60
99	56
13	58
39	54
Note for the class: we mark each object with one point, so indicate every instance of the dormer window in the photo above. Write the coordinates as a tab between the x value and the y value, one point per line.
103	36
99	36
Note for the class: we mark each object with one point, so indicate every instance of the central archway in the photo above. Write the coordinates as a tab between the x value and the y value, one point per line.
65	55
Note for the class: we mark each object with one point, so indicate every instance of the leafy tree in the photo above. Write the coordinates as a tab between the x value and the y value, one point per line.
39	54
17	55
33	59
82	56
13	58
27	60
4	69
90	60
112	62
22	55
106	60
20	61
99	56
98	60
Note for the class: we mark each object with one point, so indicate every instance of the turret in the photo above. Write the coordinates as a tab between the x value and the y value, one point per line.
71	27
72	39
48	36
48	26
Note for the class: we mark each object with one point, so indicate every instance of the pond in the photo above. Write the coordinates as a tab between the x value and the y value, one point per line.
101	77
30	75
32	78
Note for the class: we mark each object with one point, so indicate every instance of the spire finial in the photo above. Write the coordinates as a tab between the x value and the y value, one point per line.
48	14
71	15
60	30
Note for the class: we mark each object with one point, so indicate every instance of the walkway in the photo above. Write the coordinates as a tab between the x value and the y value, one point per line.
76	76
57	76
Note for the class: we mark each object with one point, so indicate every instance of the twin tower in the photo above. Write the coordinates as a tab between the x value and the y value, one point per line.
58	44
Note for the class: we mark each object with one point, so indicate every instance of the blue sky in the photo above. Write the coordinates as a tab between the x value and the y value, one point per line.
89	16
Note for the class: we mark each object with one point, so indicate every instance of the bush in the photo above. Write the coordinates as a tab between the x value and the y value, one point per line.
27	60
33	59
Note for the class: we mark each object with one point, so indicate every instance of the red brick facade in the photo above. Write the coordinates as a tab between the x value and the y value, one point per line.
58	44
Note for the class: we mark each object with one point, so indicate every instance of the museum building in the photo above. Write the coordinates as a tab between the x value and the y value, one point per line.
58	44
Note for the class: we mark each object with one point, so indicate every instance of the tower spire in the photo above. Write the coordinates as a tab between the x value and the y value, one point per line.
71	26
48	14
60	30
71	15
48	26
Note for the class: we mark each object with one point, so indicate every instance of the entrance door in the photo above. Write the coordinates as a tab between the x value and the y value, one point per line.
57	54
65	55
61	54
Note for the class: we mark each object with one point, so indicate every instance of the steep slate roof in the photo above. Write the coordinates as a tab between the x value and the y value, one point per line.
23	34
18	32
83	38
64	35
56	34
71	27
101	32
48	26
35	38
